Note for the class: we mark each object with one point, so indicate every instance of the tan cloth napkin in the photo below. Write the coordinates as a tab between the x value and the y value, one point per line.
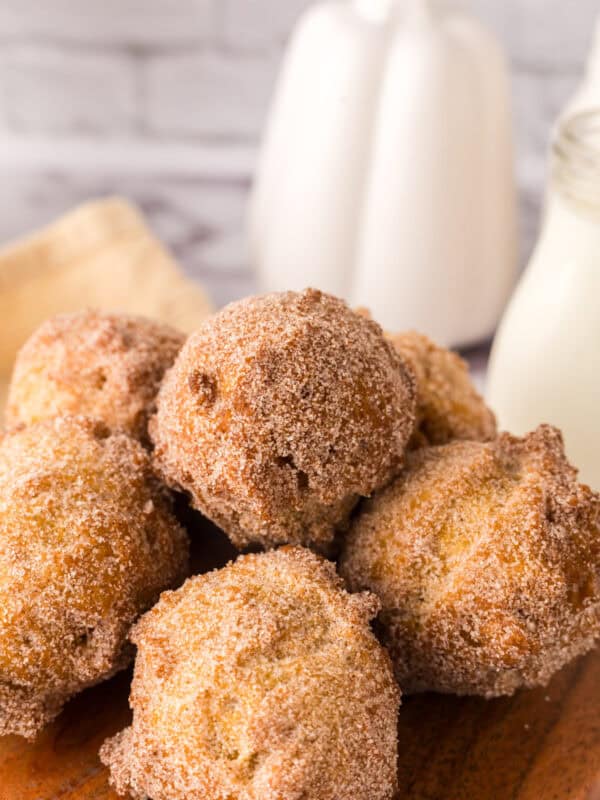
103	255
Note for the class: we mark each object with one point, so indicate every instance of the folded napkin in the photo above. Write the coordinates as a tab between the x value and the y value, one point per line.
100	255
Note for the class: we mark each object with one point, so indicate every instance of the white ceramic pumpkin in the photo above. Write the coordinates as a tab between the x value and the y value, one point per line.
386	174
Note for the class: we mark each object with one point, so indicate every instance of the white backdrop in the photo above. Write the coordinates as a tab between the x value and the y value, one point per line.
163	100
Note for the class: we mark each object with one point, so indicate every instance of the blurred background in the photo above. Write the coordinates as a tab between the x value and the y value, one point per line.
164	100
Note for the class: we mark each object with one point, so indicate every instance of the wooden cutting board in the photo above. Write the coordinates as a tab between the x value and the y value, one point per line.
538	745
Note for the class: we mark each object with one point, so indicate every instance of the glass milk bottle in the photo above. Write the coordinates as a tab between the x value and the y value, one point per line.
545	364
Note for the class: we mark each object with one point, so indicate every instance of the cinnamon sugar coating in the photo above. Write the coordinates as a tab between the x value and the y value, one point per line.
106	366
280	413
486	558
87	543
448	405
260	681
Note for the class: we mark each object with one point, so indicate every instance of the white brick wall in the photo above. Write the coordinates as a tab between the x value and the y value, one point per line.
186	83
211	94
45	88
142	23
538	101
550	34
256	24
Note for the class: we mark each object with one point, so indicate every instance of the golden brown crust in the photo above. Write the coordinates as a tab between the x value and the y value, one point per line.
261	681
449	407
106	366
486	558
87	543
280	413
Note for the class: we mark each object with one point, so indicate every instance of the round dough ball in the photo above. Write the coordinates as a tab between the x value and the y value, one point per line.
486	558
448	405
280	413
260	681
87	543
106	366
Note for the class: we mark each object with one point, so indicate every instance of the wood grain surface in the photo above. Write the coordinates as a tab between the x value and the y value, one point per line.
538	745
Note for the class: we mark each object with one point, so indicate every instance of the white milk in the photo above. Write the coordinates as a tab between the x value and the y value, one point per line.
545	363
387	171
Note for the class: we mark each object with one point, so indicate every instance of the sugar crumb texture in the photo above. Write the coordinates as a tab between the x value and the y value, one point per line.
87	543
486	558
280	413
449	406
261	681
106	366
